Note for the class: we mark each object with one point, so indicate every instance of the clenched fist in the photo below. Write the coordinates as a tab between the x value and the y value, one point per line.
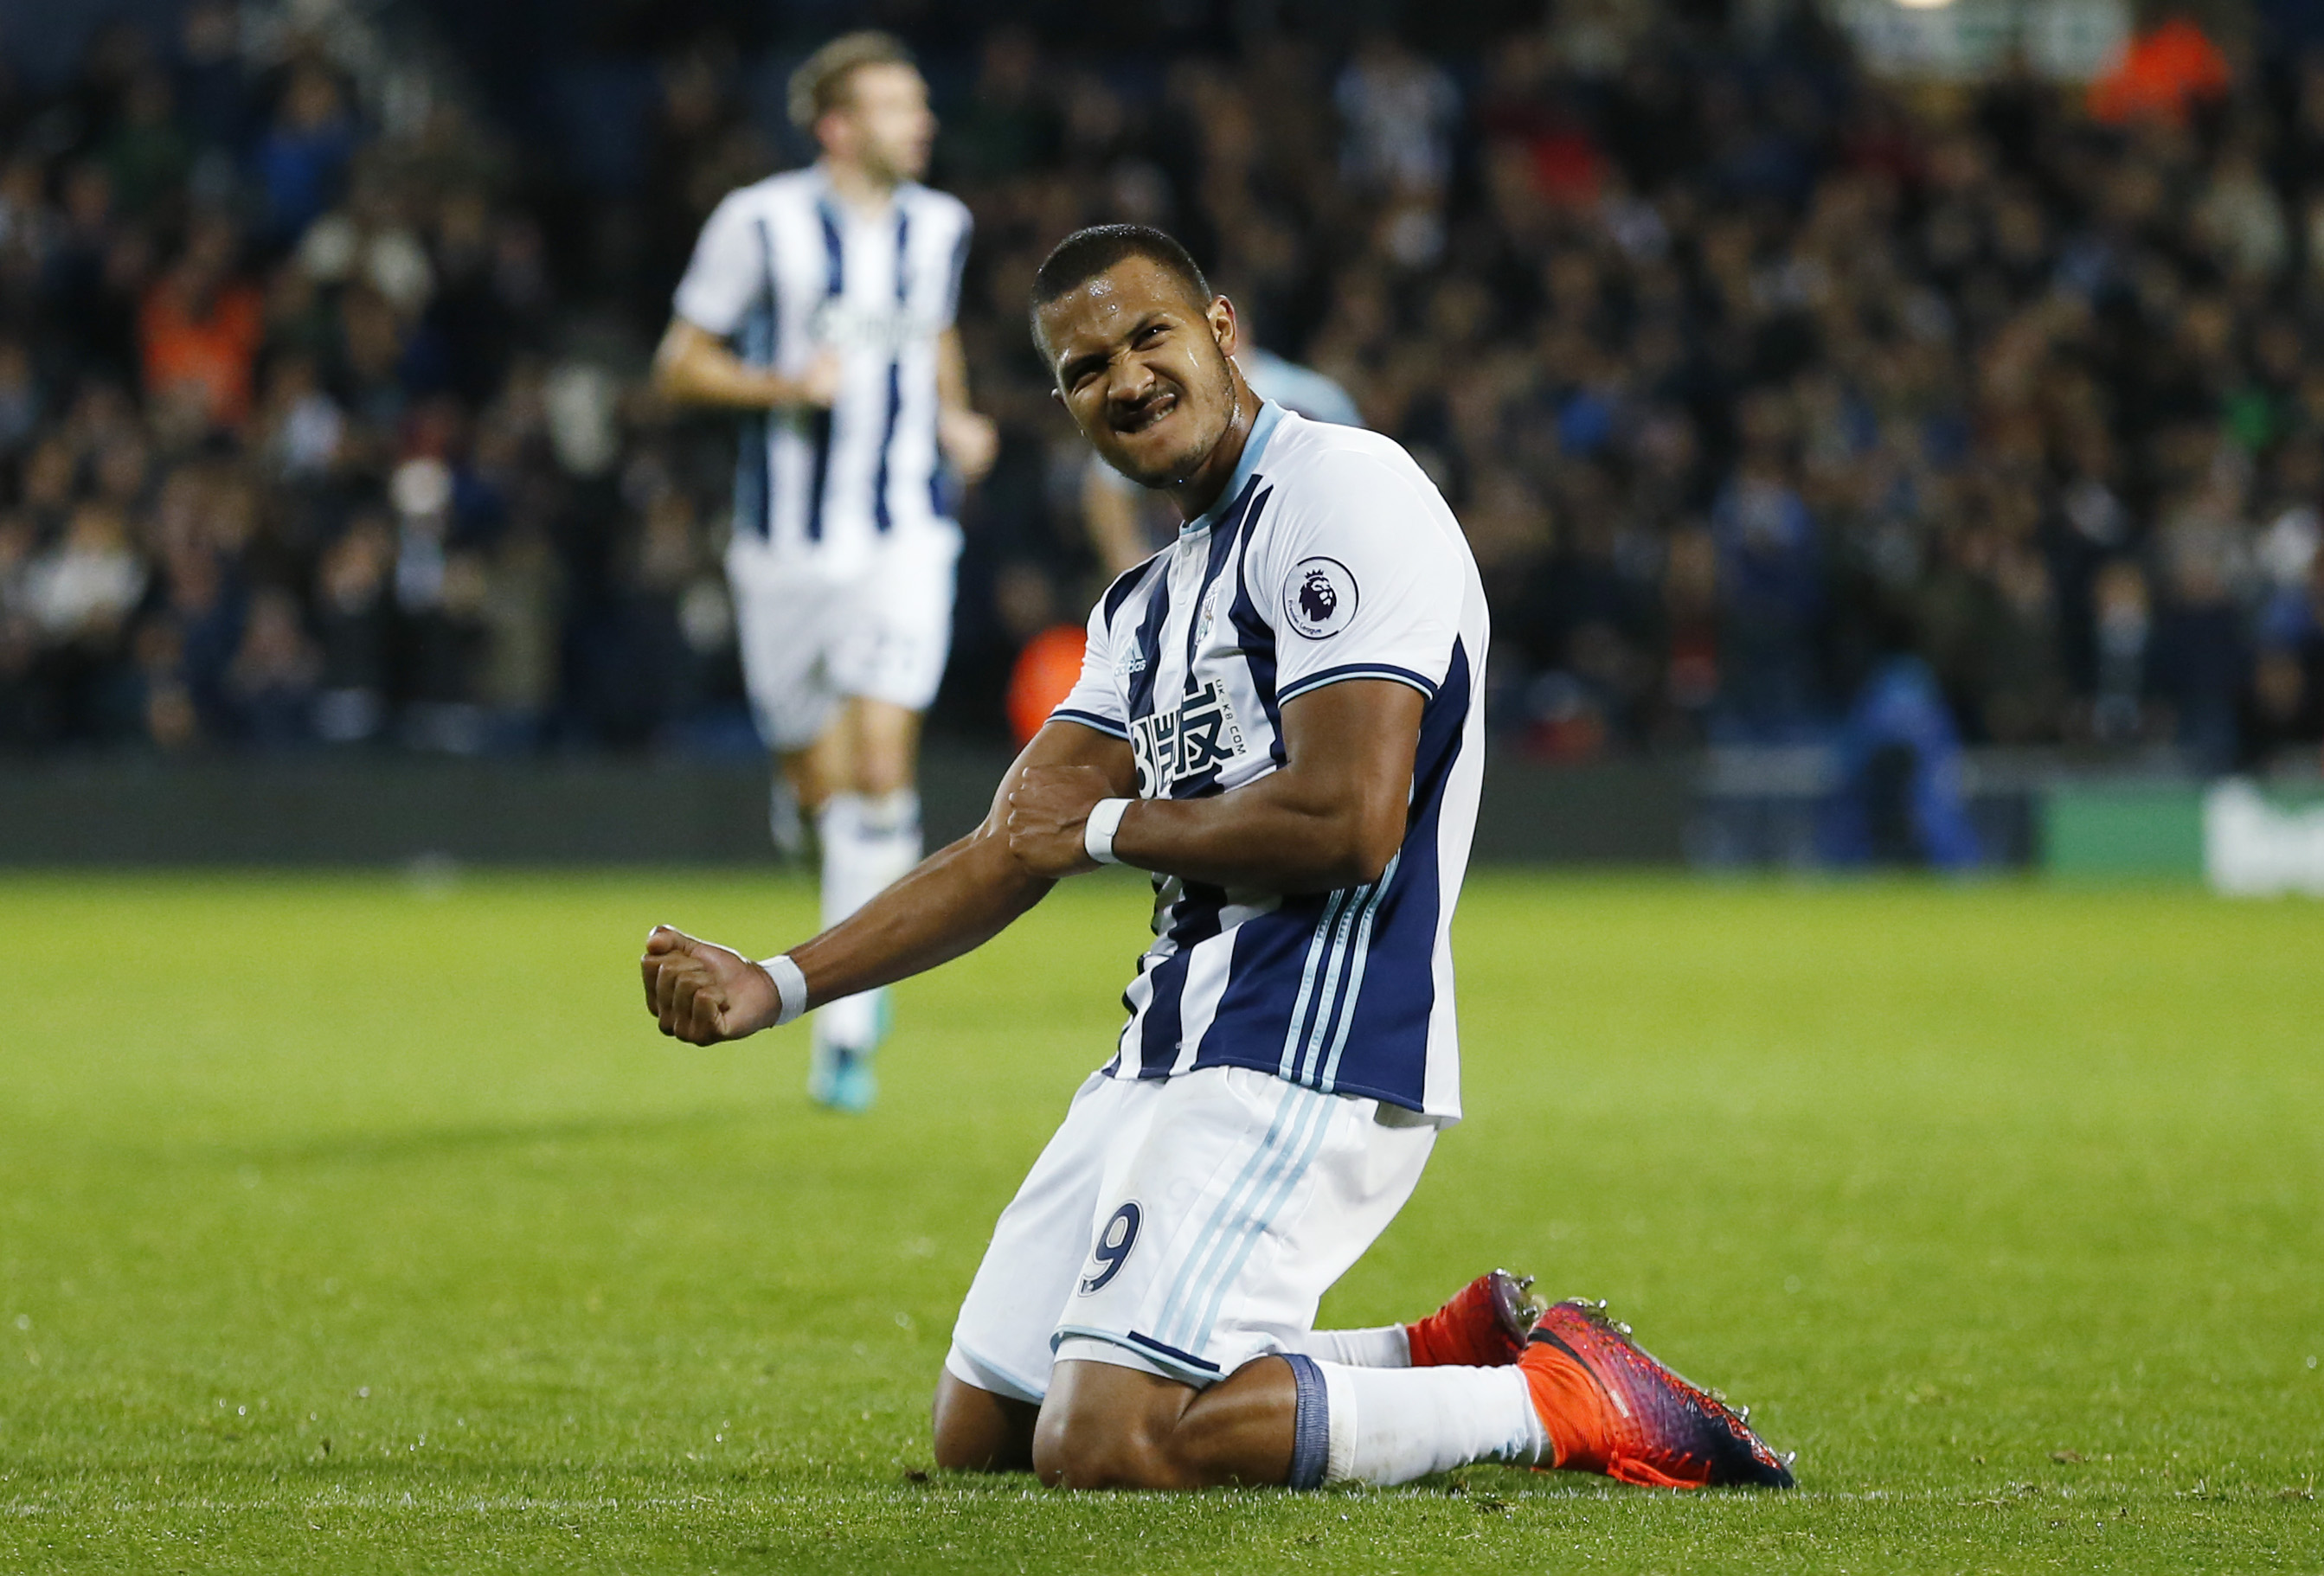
703	993
818	382
1048	810
970	441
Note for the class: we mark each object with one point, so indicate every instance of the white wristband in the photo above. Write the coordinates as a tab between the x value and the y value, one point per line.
791	987
1104	820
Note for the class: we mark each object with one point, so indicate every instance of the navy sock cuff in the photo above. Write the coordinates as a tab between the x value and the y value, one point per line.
1310	1427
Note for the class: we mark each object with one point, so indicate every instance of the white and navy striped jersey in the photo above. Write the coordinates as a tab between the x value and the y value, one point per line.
1330	556
784	269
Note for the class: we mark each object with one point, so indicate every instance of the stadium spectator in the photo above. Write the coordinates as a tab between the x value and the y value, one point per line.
304	155
2198	655
1398	112
1771	586
2164	74
271	685
200	329
20	397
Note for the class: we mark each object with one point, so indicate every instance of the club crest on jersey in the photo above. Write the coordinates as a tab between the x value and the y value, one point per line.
1170	747
1319	597
1208	619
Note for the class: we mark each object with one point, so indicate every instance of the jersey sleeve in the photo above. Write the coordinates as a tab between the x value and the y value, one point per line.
1357	580
1095	699
728	271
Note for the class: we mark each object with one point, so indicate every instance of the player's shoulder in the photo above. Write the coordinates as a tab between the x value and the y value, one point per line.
772	197
1341	490
1322	459
1125	584
927	202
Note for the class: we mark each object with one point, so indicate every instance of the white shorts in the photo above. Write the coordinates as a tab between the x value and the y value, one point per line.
811	639
1183	1226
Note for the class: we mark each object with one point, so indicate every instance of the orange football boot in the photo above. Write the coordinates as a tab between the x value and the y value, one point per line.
1610	1407
1481	1325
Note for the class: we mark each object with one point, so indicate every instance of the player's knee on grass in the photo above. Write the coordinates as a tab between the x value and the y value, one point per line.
977	1431
1108	1427
1085	1448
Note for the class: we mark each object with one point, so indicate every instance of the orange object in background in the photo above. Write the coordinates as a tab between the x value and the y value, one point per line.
2164	73
210	343
1044	674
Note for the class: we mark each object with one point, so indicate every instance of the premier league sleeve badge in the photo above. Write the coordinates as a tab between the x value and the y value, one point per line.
1319	598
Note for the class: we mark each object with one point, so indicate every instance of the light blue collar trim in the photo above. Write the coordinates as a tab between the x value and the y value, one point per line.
1271	416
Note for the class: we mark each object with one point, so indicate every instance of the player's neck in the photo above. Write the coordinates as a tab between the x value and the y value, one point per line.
858	187
1199	493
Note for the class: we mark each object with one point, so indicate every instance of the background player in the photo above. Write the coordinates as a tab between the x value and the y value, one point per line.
1279	717
820	303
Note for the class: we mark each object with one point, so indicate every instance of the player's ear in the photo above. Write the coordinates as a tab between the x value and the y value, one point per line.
1223	327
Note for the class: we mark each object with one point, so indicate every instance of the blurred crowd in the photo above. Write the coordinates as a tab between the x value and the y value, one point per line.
1753	379
302	443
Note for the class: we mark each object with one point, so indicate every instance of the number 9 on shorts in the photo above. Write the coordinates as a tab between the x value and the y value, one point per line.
1112	1247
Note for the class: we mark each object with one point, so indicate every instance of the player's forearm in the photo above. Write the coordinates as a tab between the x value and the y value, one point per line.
1277	834
952	371
1332	816
693	366
951	903
702	375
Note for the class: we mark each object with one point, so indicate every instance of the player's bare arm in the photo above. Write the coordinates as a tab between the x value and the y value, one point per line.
693	366
1332	816
953	901
971	442
1112	518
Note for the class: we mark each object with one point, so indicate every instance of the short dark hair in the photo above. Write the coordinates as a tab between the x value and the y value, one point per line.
1084	255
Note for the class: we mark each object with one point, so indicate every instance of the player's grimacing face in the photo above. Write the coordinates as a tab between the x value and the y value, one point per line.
1143	368
886	124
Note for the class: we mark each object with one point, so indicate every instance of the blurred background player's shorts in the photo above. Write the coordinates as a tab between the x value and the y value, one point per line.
809	640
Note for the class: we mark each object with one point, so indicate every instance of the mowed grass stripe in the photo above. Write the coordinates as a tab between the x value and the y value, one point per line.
2002	1204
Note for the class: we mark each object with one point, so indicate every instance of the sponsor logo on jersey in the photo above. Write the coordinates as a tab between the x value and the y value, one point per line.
1319	598
849	325
1170	747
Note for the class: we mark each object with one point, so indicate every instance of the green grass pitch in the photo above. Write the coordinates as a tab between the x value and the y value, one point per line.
352	1224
